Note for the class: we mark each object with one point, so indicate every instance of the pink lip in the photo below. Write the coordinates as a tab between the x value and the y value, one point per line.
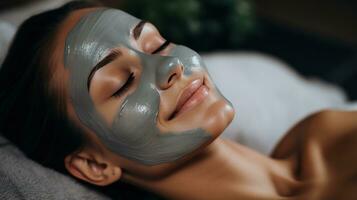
192	95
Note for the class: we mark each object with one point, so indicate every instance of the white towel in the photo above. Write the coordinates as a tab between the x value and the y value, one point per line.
268	95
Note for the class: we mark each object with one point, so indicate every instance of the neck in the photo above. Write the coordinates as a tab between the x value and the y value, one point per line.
224	169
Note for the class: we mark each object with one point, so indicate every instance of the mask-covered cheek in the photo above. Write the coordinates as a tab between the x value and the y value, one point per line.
138	113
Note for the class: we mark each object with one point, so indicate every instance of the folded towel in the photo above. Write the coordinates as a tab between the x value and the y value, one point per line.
21	178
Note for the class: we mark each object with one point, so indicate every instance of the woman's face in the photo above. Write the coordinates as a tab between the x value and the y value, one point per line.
146	99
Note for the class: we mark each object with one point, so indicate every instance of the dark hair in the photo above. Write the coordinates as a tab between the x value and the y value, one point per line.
31	115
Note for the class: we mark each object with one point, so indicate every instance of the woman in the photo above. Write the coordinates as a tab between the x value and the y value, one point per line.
100	94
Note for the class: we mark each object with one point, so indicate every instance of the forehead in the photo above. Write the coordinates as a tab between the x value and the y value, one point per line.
73	20
97	33
56	58
104	20
58	45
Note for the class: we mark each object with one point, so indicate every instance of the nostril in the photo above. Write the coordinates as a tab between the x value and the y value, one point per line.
171	77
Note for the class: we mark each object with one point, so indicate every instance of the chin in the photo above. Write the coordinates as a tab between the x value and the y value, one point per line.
219	116
219	111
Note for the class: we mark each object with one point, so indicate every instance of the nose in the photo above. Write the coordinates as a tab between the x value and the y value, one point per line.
169	72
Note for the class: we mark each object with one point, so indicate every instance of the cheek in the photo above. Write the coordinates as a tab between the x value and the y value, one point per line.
136	110
109	111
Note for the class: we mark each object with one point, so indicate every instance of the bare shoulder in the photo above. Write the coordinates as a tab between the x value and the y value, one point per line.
334	120
329	126
325	126
323	148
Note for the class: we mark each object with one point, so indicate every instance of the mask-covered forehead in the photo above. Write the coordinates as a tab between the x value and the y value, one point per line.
95	34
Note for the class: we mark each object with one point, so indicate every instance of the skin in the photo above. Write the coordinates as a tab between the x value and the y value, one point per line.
103	38
214	113
313	161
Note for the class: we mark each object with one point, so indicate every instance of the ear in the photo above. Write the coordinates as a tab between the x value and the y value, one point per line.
91	167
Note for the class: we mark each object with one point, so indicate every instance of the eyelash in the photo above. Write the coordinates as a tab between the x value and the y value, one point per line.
125	87
161	47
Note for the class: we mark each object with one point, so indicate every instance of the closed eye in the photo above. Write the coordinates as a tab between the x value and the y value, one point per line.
162	47
125	87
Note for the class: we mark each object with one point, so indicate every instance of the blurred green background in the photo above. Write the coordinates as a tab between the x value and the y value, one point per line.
317	38
203	25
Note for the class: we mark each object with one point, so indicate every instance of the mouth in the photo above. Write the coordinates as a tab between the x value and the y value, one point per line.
190	97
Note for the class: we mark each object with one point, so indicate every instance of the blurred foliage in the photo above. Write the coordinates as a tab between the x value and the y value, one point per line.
203	25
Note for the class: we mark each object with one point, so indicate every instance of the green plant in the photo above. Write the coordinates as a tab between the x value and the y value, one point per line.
203	25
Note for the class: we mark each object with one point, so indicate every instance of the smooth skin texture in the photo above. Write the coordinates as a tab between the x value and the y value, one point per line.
316	159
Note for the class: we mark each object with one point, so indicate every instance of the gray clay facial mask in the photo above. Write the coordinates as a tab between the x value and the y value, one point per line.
134	133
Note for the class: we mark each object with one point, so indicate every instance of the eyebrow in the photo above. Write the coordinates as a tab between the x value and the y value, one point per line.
114	54
138	29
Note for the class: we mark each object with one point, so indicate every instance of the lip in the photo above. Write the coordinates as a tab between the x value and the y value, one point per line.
193	94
